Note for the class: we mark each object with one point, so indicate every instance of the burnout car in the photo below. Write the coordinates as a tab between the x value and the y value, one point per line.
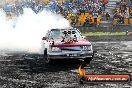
66	43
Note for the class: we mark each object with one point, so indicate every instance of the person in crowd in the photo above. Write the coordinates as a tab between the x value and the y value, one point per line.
90	21
126	14
86	22
122	7
72	20
95	16
70	6
121	17
107	16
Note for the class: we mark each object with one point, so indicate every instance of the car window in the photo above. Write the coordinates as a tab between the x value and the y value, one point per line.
54	33
58	33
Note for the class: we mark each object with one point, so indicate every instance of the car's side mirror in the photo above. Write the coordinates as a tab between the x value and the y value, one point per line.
44	38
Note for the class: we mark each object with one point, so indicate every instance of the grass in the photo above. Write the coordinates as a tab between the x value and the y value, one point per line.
104	33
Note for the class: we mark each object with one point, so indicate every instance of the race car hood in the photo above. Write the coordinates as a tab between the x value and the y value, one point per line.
80	42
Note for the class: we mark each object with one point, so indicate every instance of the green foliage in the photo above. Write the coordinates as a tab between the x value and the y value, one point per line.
104	33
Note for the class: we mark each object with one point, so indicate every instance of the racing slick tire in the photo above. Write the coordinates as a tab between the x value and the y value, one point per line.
47	60
87	60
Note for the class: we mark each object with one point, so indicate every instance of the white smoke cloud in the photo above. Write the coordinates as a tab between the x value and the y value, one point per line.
25	32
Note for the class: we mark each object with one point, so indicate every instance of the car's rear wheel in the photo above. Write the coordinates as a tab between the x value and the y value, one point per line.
46	58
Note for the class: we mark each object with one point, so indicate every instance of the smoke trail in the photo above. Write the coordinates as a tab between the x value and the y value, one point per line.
25	32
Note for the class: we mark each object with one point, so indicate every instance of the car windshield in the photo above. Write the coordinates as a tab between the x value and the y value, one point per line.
54	33
58	33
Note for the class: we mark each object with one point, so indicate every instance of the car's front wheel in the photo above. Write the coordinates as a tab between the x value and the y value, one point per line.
46	58
87	60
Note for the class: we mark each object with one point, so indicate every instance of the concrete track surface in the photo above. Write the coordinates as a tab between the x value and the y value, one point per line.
23	70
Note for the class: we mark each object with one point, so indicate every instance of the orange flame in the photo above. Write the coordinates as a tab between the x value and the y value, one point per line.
81	71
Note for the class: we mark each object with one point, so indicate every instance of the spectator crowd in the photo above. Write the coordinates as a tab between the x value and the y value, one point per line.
78	12
123	12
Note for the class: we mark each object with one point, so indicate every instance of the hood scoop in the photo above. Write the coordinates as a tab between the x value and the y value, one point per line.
69	37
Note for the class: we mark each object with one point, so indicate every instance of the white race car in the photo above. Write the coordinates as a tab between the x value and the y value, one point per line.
66	44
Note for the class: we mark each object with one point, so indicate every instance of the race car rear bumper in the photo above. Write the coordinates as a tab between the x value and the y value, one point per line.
71	55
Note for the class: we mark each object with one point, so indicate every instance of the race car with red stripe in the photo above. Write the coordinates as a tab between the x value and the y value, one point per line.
66	43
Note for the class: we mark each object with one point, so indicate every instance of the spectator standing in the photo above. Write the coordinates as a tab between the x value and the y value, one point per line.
75	10
126	14
107	16
86	22
104	4
90	21
121	17
95	15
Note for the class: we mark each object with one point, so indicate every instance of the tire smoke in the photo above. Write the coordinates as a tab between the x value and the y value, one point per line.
24	33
